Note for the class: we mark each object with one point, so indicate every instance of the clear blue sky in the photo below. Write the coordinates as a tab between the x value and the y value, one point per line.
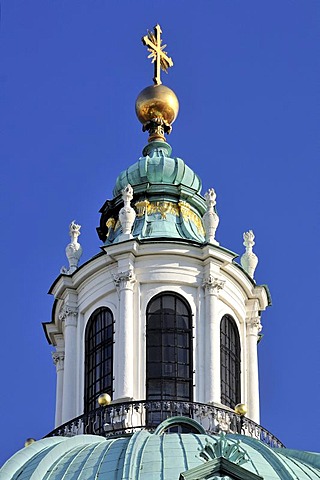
247	76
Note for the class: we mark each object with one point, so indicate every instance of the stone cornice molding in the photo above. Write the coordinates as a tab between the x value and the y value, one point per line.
254	325
213	285
58	360
124	280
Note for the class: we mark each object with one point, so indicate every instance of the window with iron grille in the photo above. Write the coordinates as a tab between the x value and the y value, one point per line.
98	357
169	348
230	362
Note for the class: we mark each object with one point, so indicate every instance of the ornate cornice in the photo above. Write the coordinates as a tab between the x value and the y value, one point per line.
213	285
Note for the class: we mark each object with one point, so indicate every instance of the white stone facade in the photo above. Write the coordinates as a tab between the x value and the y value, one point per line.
124	278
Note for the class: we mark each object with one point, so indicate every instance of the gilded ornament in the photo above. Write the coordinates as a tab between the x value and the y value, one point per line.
164	208
110	224
159	57
104	399
240	409
188	214
142	207
157	105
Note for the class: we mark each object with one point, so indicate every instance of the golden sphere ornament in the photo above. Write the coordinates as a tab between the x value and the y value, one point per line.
157	101
241	409
104	399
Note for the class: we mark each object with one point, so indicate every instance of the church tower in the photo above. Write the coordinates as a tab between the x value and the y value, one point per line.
155	338
164	314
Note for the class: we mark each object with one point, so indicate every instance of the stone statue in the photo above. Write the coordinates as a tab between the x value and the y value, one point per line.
73	249
210	218
249	260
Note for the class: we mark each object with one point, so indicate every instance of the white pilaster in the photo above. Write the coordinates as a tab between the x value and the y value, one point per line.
69	316
212	286
58	360
124	282
253	329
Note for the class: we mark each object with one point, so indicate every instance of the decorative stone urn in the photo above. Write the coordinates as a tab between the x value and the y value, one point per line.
73	249
210	218
127	214
249	260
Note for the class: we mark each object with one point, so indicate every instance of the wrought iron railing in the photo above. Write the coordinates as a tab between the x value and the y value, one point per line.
126	418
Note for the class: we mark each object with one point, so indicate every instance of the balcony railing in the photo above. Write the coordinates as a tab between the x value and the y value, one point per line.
126	418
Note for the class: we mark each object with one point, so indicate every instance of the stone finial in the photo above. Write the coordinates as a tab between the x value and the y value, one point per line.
73	249
210	218
249	260
127	214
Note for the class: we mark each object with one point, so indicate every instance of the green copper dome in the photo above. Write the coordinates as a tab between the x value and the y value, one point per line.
147	456
156	167
166	199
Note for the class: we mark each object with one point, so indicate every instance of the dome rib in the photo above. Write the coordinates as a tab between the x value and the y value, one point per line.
58	452
145	455
19	459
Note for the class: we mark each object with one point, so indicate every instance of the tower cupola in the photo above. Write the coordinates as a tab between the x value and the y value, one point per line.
163	321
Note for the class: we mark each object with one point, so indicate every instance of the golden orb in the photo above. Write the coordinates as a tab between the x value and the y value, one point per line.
29	441
104	399
157	101
241	409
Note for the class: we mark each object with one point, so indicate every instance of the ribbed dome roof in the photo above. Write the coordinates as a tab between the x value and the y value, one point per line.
157	167
166	198
146	456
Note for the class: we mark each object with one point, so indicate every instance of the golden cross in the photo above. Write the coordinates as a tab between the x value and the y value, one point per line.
159	57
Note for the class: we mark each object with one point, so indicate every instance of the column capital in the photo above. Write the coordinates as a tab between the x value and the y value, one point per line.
124	280
254	325
58	360
213	285
68	311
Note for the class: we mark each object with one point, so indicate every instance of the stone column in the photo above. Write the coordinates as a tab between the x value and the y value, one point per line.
69	315
212	286
58	360
253	328
124	282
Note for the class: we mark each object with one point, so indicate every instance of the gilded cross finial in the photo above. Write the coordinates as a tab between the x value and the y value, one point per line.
159	57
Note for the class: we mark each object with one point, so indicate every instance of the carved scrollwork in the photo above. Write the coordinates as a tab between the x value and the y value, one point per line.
254	325
58	359
67	311
213	285
124	279
223	447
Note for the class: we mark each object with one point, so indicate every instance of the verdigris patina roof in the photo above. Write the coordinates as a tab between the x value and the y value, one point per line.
166	199
157	167
157	456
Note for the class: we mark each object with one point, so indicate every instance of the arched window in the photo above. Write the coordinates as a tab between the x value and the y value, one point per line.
98	357
169	348
230	362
